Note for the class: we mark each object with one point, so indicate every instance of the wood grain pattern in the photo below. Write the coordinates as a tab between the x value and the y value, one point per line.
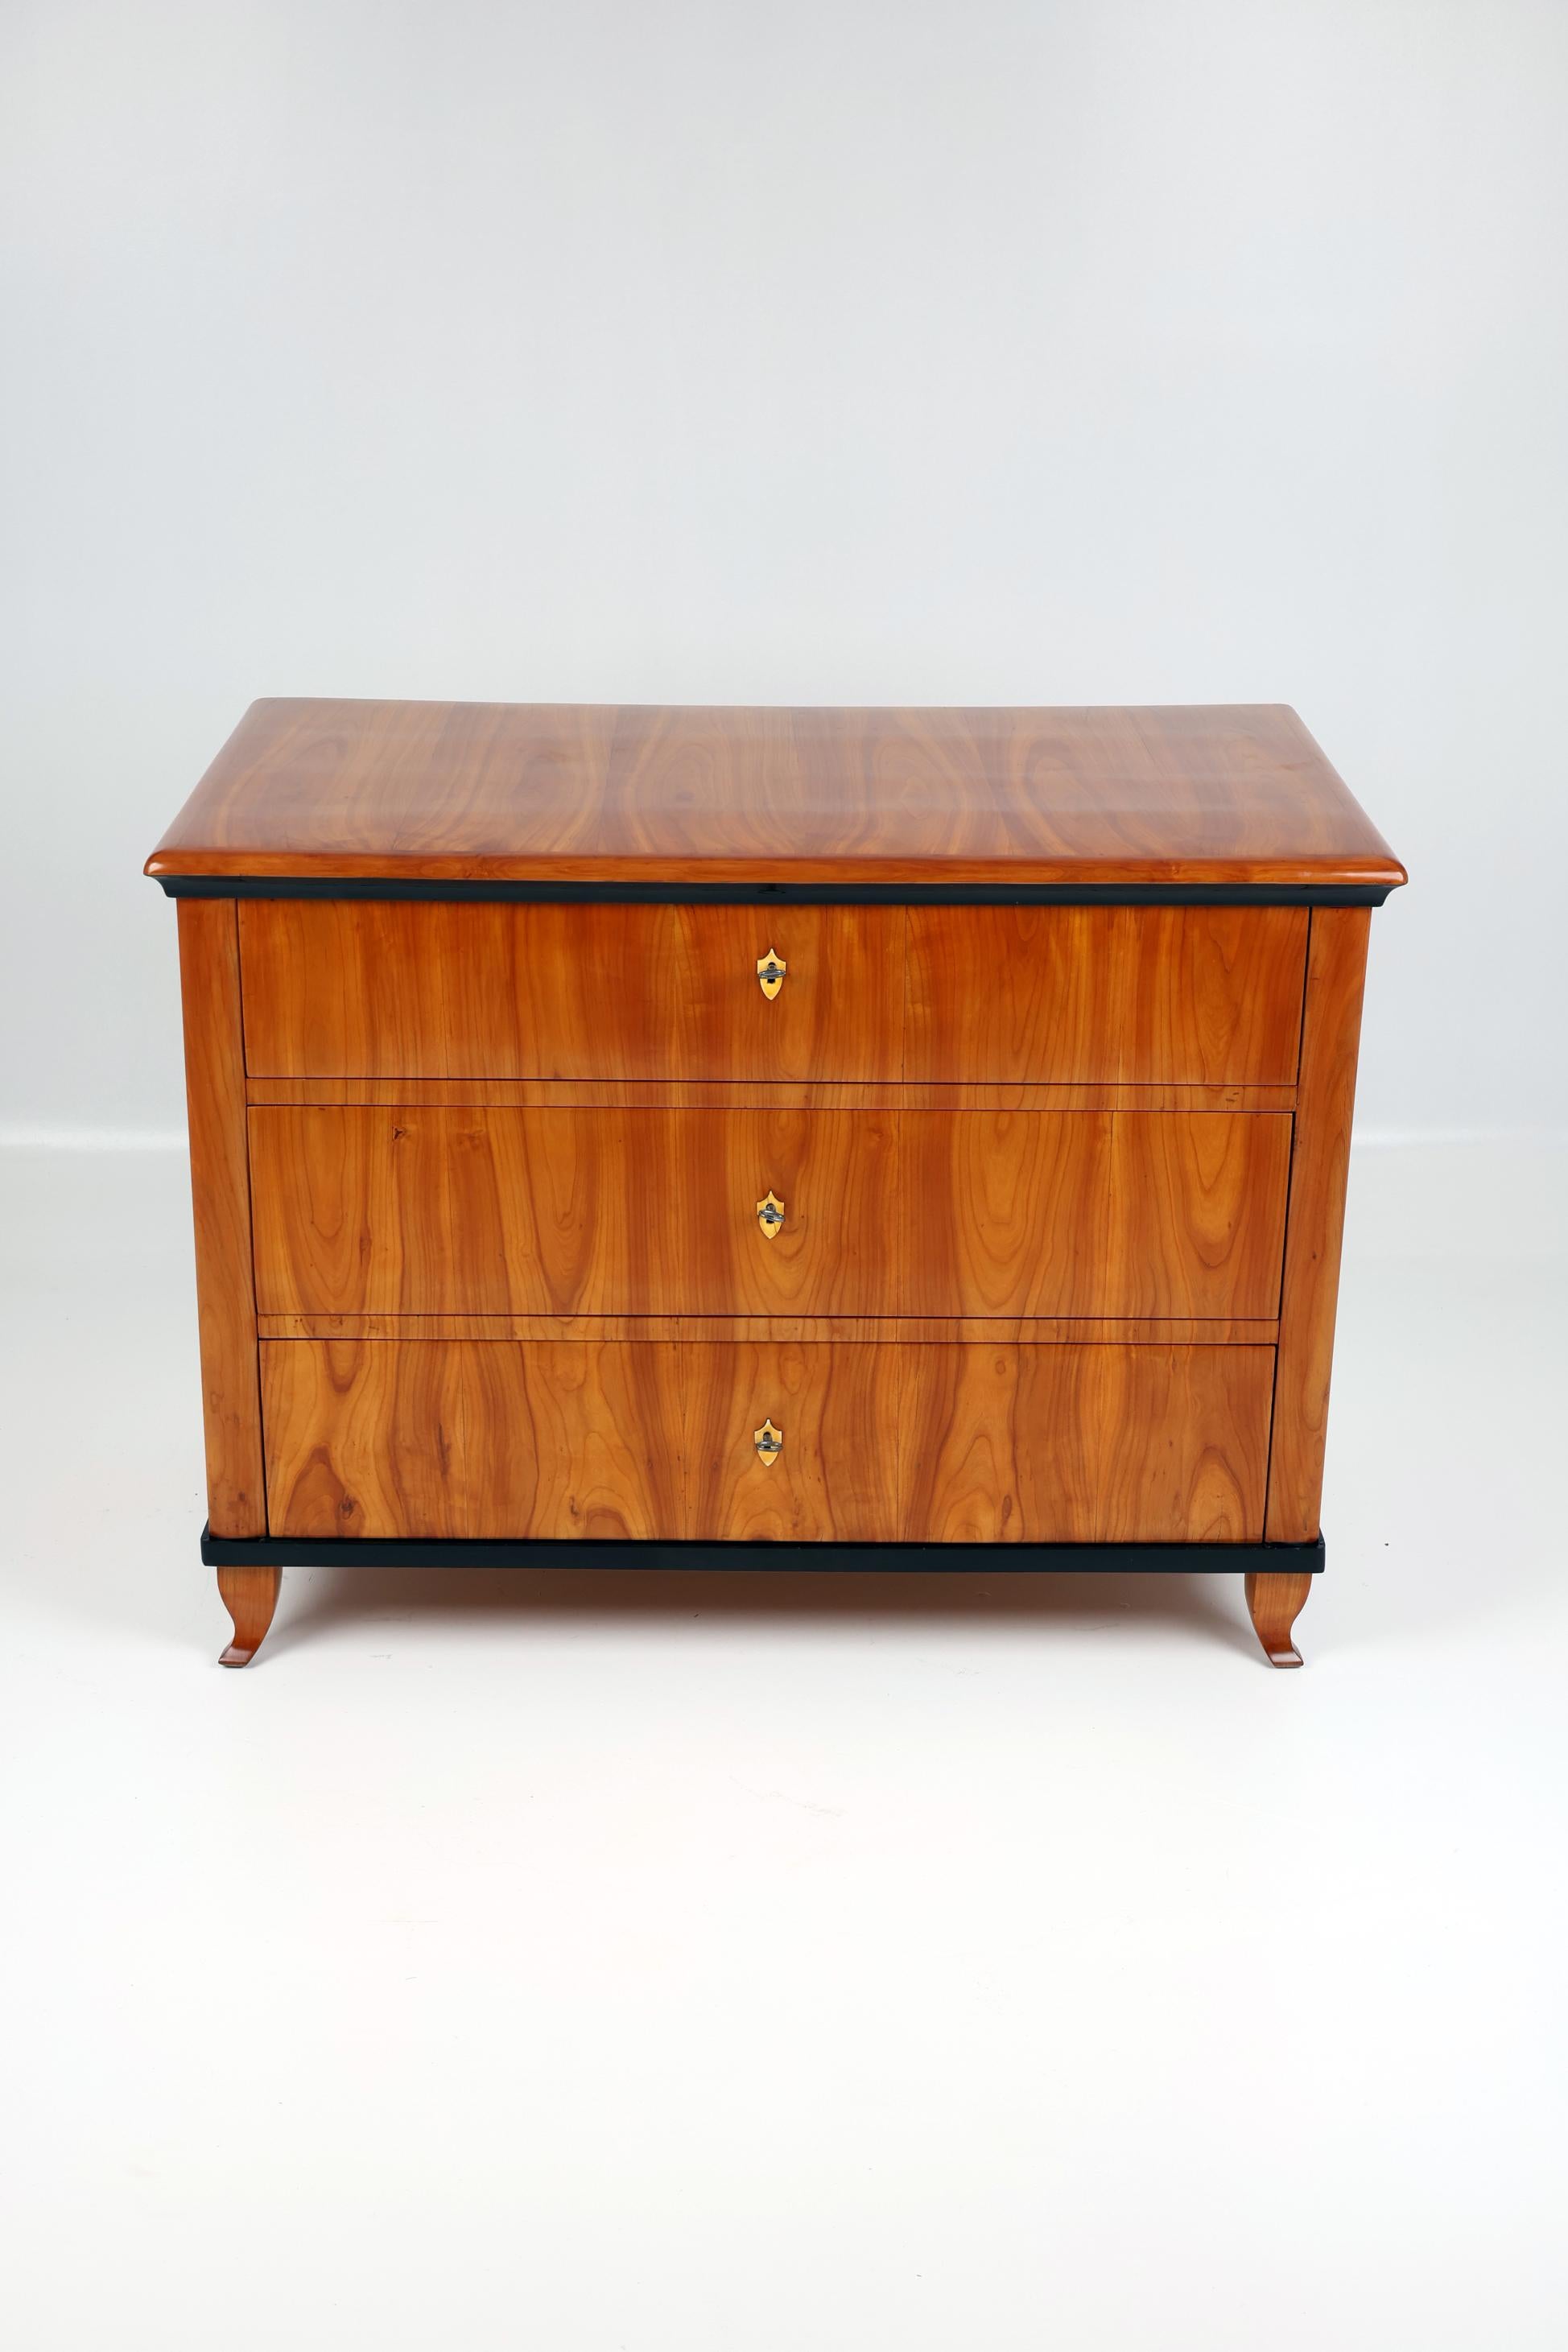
475	1211
994	1443
837	1478
1124	995
1097	1444
220	1196
1336	974
1275	1599
475	1183
362	1211
1106	1213
844	1330
619	996
380	1328
381	989
563	1440
690	1094
487	791
250	1596
835	1173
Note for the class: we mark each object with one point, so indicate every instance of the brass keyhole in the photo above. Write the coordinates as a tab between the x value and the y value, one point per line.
771	970
769	1443
769	1215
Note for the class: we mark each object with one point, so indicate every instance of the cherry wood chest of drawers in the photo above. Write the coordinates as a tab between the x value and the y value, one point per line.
901	1137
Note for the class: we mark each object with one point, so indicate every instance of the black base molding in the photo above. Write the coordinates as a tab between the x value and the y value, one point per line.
941	1559
791	894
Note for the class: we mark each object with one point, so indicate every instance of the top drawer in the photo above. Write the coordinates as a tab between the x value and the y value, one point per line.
396	988
1105	995
1129	995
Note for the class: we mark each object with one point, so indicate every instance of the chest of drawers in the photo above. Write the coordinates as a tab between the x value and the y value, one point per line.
903	1138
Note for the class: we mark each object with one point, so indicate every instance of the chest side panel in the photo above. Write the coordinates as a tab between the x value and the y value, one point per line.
220	1196
1315	1223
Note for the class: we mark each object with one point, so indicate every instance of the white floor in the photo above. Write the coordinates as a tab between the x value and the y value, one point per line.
731	1964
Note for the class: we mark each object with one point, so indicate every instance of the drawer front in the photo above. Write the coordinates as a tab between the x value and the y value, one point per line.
566	1439
1120	996
387	989
1154	995
786	1213
1102	1443
618	1440
359	1209
560	1440
1093	1212
366	1211
827	1467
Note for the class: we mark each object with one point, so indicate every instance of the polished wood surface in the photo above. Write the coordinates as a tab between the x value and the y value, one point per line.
836	1478
689	1094
364	1442
772	1223
469	1211
1086	1445
563	1440
220	1198
377	989
836	1174
366	1211
1079	1212
880	1442
1276	1597
571	1212
667	997
250	1596
475	791
1124	995
845	1330
1336	974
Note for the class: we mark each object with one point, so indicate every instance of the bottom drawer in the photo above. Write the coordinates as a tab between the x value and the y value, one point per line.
997	1442
487	1437
1096	1444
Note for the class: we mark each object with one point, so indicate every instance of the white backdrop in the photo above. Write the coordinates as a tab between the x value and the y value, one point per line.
1098	352
704	1963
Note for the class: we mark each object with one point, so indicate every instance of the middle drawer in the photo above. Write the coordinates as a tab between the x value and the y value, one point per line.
363	1209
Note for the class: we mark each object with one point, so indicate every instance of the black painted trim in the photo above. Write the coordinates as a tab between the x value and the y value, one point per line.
991	1559
791	894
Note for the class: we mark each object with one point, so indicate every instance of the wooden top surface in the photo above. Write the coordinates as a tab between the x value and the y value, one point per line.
520	792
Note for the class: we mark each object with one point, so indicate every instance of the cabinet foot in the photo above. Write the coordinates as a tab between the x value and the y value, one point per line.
1275	1602
250	1595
